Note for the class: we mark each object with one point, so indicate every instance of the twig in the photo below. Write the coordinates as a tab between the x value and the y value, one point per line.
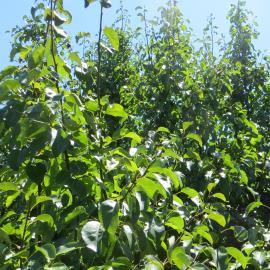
53	5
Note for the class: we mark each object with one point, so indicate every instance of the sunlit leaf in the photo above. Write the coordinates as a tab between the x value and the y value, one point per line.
180	258
91	234
108	215
252	206
220	196
218	218
195	137
238	256
112	35
116	110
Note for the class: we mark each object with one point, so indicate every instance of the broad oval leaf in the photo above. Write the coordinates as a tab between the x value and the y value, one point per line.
238	256
8	186
190	192
252	206
195	137
108	215
218	218
112	36
92	234
176	223
48	250
179	257
116	110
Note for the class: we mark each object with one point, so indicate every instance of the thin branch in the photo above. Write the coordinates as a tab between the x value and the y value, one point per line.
53	48
99	92
99	58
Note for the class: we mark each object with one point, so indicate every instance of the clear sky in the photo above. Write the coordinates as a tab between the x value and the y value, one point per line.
197	11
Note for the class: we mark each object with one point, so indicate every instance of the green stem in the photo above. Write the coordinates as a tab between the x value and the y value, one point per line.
99	95
99	59
53	4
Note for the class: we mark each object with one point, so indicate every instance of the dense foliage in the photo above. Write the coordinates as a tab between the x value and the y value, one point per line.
135	151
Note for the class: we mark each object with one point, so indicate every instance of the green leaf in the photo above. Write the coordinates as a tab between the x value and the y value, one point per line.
112	36
7	87
203	231
179	257
227	160
175	178
78	167
7	215
58	19
91	234
74	57
211	186
121	262
116	110
170	153
48	250
252	206
60	32
57	266
238	256
60	143
195	137
252	126
4	238
92	105
133	136
186	125
8	186
45	218
36	57
108	216
36	172
153	266
176	223
152	263
67	248
199	266
220	196
220	257
79	210
12	198
88	2
16	158
217	218
190	192
150	187
244	178
40	199
163	129
240	233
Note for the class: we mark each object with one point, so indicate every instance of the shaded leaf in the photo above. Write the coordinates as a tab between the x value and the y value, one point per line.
108	215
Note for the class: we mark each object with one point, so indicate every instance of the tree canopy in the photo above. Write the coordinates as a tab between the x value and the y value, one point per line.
135	151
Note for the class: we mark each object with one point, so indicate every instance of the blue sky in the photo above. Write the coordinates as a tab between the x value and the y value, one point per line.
197	11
